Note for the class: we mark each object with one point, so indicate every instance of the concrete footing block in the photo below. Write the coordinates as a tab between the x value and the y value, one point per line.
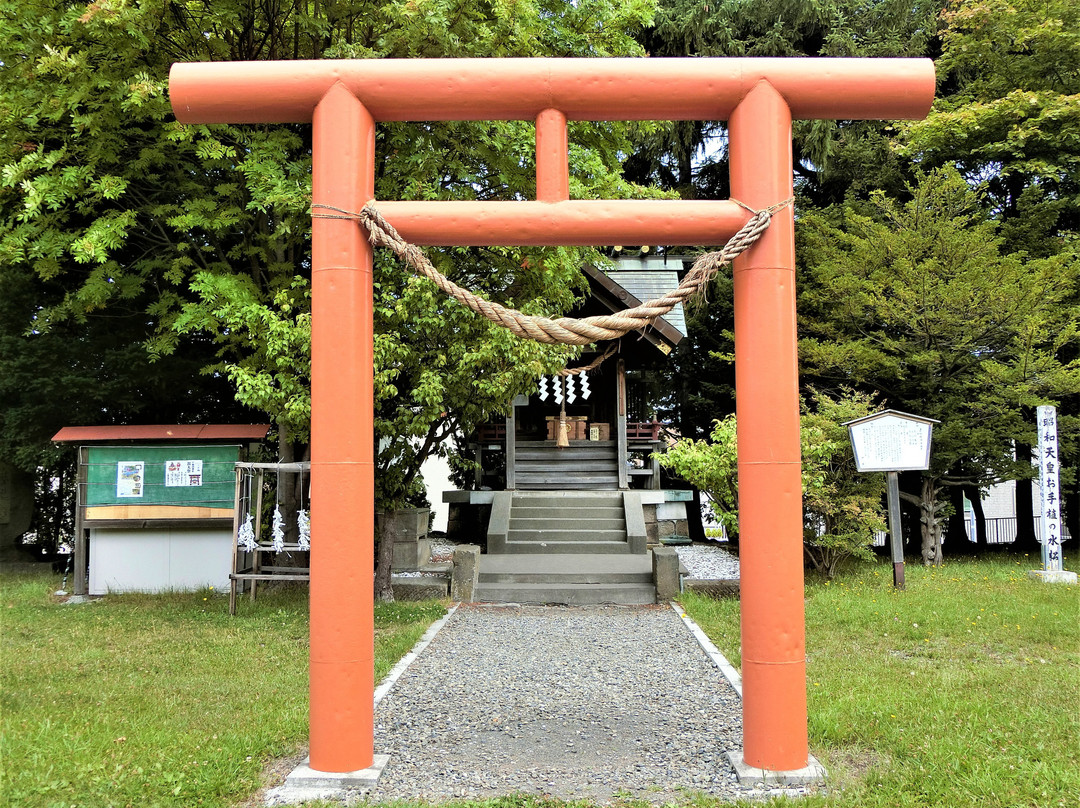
811	774
466	574
1053	576
305	784
665	564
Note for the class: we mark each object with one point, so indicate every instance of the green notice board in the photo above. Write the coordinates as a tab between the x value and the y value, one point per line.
200	476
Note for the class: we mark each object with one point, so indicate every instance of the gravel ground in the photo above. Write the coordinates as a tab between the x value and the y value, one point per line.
572	702
709	561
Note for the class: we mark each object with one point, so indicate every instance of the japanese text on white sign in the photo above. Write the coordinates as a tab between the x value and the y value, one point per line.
183	473
1046	418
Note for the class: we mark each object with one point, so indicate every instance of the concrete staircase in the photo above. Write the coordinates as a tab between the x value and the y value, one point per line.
576	547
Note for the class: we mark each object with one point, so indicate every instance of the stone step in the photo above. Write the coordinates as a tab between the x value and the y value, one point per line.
557	466
572	510
541	445
564	534
569	593
526	571
573	499
541	547
542	480
575	524
555	564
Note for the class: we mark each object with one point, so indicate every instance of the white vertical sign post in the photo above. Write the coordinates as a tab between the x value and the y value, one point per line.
1050	515
892	442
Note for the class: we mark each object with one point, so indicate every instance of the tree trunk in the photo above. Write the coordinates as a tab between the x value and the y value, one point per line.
931	526
956	524
384	589
1026	540
974	496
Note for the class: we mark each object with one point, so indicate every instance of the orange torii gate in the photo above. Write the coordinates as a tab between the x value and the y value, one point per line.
758	98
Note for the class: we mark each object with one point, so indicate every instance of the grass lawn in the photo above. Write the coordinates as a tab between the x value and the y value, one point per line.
963	690
158	700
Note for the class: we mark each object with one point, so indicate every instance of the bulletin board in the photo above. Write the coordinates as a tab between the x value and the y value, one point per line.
160	482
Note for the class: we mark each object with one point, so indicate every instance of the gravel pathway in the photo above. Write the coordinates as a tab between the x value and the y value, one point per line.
709	561
572	702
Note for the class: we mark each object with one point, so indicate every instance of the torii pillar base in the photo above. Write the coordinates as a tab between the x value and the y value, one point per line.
812	773
304	784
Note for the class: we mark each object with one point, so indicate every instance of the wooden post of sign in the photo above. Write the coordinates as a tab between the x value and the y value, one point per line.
895	537
82	493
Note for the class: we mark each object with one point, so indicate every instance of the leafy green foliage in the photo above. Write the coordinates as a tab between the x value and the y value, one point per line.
919	303
1010	116
832	158
841	507
711	466
204	230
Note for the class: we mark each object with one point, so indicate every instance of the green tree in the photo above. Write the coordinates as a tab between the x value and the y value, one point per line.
204	231
841	507
832	159
712	466
1007	116
91	372
919	304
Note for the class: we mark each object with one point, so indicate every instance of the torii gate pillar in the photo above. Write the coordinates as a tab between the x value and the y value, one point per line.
769	462
759	98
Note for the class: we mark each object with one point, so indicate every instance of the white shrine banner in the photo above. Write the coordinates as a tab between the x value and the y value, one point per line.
556	382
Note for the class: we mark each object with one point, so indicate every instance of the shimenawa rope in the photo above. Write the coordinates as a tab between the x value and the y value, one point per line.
564	330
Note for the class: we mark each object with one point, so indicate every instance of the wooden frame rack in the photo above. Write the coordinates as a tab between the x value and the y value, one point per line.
247	567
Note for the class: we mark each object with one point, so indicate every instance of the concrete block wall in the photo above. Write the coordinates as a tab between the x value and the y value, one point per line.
665	519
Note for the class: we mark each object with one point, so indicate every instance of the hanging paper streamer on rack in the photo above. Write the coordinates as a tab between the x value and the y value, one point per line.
571	396
558	391
277	531
543	388
245	537
304	525
585	391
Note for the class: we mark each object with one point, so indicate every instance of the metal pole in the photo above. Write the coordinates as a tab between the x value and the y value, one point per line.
895	537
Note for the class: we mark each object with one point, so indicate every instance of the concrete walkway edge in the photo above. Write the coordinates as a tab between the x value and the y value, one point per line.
404	663
304	784
711	651
811	774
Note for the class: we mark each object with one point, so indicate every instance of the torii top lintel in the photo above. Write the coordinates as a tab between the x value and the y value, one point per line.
520	89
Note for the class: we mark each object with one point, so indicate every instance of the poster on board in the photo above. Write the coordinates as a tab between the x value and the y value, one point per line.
183	473
129	478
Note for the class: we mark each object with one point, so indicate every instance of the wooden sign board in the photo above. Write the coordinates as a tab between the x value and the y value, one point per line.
891	441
